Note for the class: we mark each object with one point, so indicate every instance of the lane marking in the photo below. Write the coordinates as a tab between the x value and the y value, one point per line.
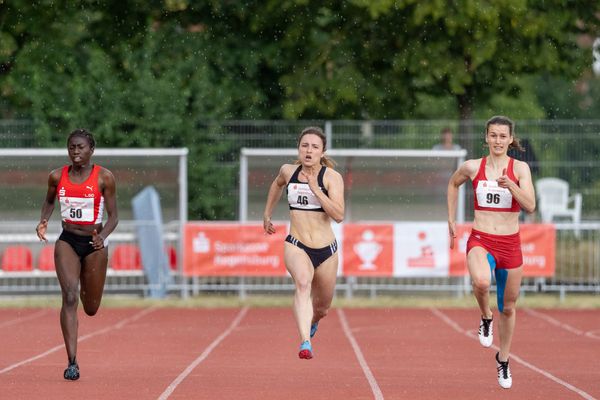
169	390
554	321
118	325
359	355
23	319
513	356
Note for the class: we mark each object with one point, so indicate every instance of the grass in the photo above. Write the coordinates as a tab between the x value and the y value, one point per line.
404	300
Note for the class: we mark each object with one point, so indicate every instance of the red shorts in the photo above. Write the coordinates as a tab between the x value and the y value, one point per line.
506	249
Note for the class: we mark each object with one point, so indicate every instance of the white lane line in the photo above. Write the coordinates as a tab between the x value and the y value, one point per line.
23	319
169	390
118	325
554	321
359	355
513	356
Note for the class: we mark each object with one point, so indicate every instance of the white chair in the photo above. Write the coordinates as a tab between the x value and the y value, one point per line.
553	201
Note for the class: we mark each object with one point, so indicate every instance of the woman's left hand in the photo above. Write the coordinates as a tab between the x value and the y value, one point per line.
97	240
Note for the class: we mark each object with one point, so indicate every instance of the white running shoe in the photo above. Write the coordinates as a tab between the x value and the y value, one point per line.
486	332
504	377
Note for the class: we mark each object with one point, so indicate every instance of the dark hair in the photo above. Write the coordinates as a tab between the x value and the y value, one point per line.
84	134
315	130
502	120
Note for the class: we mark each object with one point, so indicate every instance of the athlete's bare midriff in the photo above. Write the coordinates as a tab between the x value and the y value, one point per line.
312	228
496	223
81	230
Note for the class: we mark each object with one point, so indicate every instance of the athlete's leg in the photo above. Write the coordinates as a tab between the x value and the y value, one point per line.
481	277
509	284
93	276
300	268
68	269
323	287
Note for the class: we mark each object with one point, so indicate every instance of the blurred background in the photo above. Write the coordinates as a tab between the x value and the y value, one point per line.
214	77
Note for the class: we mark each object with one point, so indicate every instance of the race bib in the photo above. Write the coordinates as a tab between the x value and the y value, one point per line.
490	195
77	209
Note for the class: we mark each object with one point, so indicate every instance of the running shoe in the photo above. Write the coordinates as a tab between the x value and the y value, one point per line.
72	371
305	350
313	329
486	332
504	377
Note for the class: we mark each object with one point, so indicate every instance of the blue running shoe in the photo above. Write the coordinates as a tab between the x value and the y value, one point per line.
305	350
72	371
313	329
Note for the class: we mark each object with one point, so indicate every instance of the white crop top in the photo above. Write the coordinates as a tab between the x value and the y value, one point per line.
299	195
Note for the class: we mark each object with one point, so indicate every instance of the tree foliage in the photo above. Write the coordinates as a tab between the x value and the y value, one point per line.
143	73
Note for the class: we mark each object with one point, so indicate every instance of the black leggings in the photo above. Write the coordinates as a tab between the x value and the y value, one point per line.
317	256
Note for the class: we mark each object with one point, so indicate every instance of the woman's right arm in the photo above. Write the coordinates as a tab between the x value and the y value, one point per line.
460	176
273	197
48	204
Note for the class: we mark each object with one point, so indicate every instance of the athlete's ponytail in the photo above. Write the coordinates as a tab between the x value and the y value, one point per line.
314	130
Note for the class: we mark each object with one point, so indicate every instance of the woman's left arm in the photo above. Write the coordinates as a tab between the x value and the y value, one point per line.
524	192
333	204
109	192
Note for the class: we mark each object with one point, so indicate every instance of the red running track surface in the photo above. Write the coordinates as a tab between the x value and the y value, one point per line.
176	353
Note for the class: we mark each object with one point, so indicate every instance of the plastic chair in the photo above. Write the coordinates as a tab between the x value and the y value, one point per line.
553	201
17	258
172	257
126	257
46	259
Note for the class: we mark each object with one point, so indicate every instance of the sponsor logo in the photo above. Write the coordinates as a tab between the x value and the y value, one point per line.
90	187
62	191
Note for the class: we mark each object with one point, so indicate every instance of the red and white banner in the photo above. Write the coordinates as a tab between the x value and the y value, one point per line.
233	250
402	249
368	250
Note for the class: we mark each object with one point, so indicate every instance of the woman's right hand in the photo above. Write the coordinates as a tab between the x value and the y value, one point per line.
40	229
452	232
268	226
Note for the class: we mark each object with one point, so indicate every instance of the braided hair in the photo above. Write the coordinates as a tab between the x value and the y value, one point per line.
84	134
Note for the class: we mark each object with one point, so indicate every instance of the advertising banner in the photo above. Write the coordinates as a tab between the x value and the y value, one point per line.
368	250
421	249
402	249
233	250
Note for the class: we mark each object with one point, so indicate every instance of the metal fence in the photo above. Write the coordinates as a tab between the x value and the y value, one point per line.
564	149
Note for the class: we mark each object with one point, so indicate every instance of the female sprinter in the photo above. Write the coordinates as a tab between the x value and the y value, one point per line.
501	186
84	191
315	194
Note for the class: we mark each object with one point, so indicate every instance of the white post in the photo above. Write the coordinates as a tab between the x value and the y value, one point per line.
183	218
243	210
329	134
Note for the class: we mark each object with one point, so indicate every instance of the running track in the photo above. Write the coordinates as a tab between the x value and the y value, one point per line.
177	353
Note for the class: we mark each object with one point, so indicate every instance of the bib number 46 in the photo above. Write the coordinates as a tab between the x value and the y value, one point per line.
303	200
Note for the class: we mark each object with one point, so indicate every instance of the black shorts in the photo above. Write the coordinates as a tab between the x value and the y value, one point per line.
317	256
81	244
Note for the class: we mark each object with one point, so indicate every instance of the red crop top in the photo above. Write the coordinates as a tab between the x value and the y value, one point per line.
83	203
489	196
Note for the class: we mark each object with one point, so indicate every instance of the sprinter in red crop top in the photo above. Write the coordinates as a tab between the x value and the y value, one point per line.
501	187
315	193
84	191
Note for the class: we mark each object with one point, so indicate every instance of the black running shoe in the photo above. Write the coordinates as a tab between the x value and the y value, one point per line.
72	371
